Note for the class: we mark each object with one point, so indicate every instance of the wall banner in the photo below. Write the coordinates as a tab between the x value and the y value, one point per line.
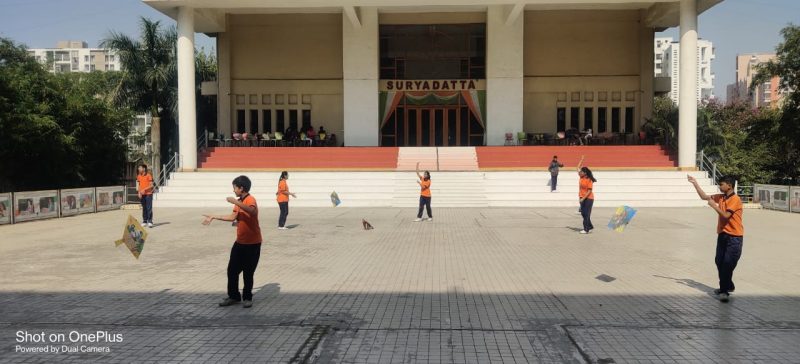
77	201
110	198
35	205
772	196
6	208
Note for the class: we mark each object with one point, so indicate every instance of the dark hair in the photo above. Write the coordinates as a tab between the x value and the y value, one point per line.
144	166
243	182
728	179
555	157
588	173
427	174
284	174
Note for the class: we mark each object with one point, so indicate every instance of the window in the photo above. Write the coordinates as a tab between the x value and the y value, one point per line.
293	119
588	118
629	112
601	119
266	120
280	122
574	118
86	58
240	126
432	51
615	119
92	68
111	67
253	121
306	119
561	119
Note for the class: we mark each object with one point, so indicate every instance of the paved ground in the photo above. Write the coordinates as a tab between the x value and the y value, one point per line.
475	285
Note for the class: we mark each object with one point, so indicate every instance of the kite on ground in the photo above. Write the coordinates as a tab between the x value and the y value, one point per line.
621	218
133	236
335	199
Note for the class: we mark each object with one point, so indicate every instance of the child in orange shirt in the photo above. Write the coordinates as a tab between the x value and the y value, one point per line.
586	196
424	194
730	232
283	199
145	187
246	250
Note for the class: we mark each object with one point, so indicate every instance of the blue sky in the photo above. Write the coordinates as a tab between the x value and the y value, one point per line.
734	26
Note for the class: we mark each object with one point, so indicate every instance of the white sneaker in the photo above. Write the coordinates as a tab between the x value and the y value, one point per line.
429	219
583	232
417	219
282	228
150	225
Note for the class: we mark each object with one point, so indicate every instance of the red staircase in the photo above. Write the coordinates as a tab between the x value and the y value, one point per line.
538	157
350	158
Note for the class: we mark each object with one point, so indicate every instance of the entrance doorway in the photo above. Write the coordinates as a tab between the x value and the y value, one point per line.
432	126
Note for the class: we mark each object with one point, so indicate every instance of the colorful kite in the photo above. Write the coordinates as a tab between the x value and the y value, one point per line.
133	236
621	218
335	199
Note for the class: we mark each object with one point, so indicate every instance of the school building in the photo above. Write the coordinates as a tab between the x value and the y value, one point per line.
434	72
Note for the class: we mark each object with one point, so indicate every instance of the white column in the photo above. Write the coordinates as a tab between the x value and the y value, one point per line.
687	105
224	82
360	72
187	119
646	78
504	73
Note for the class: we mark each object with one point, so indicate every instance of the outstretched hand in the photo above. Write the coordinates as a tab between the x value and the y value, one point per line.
691	179
208	219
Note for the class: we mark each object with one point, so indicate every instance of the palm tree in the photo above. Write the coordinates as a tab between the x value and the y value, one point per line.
149	75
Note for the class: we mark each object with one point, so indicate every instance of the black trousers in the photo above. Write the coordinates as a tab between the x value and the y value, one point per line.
553	182
425	202
284	212
586	212
147	208
729	250
244	258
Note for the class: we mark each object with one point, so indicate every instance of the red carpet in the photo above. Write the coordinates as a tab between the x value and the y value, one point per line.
353	158
525	157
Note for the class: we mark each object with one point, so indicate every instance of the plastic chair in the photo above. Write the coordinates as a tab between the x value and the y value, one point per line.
522	138
237	139
561	137
279	138
509	139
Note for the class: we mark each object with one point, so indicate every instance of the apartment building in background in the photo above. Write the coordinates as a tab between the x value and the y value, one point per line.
667	69
76	56
767	94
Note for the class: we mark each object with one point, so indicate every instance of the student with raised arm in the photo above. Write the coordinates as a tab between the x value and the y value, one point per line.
424	194
586	195
730	232
246	250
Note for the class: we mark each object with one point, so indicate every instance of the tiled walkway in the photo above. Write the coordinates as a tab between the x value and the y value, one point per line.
474	285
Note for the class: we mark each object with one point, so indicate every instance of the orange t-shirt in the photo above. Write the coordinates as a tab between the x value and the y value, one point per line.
145	182
247	230
425	187
282	187
586	184
732	225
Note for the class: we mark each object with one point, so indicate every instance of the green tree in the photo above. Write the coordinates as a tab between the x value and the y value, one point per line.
783	131
149	78
57	131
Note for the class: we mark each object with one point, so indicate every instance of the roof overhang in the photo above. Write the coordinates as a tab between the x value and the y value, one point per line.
210	15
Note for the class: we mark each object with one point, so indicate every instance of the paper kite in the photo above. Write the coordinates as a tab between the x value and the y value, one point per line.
133	236
621	218
335	199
